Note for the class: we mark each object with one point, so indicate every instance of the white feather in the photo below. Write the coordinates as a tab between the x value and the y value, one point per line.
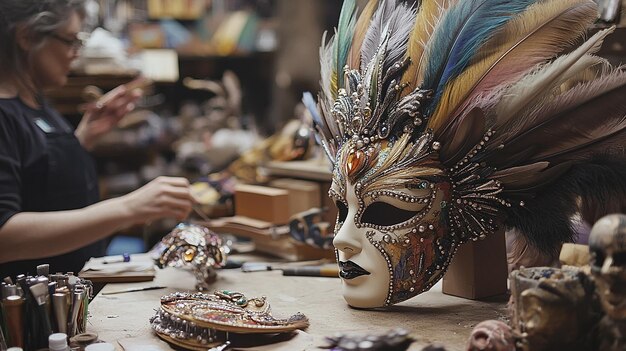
538	82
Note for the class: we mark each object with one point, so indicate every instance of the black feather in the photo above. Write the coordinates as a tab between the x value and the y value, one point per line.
600	184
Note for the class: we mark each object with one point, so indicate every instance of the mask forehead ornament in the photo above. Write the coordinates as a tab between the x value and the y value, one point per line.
430	141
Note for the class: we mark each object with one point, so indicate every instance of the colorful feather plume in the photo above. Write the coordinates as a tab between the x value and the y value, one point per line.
514	97
534	36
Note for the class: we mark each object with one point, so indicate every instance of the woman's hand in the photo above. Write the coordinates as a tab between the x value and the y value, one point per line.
162	197
100	118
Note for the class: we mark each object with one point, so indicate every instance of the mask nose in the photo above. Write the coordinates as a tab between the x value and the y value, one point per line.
347	239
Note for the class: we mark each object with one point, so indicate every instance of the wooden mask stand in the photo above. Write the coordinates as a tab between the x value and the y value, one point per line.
479	269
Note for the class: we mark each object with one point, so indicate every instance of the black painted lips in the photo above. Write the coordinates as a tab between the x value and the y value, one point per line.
351	270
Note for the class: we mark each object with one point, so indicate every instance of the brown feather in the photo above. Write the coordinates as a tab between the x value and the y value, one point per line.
470	130
524	187
577	128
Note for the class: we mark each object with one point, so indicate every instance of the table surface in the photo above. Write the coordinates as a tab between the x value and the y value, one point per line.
432	317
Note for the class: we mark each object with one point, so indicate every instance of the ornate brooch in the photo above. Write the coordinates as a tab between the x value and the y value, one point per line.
192	246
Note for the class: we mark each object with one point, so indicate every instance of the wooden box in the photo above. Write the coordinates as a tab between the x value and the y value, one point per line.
303	195
262	203
478	270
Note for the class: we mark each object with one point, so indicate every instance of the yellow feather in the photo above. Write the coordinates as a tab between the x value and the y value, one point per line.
427	17
354	57
401	177
544	28
396	151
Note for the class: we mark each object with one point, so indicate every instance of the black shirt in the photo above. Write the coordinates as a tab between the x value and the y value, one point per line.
43	168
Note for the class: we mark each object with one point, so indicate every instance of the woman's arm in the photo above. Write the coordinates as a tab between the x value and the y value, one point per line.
29	235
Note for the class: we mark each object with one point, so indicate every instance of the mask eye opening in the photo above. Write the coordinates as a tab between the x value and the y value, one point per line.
598	258
619	259
383	214
343	211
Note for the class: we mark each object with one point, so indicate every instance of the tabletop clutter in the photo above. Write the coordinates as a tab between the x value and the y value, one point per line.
45	310
574	308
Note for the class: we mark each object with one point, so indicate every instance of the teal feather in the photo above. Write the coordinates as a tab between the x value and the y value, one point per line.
459	36
345	32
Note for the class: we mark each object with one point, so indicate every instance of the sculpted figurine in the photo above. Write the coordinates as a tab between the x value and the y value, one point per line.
491	335
607	246
553	309
456	120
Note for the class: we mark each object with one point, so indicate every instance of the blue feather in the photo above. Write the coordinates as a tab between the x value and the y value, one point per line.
311	105
459	36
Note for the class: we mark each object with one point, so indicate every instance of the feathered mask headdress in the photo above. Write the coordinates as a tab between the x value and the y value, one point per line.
505	100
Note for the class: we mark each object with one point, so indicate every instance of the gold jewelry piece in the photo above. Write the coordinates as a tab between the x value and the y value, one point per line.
192	246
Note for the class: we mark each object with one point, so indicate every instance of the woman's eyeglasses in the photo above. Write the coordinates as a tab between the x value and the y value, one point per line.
76	43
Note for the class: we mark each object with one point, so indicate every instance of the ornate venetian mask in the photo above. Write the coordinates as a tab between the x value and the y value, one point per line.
390	232
442	129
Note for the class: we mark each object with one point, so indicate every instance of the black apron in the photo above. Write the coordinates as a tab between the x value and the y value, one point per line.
65	179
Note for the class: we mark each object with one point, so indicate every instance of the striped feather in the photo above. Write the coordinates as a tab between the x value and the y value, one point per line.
461	32
428	16
519	96
582	93
538	34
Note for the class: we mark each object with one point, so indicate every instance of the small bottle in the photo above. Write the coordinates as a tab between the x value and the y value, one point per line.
58	342
100	346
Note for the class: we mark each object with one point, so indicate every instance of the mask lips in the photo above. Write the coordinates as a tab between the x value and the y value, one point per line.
351	270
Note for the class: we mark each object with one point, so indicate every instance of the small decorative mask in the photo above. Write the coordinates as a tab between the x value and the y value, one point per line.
438	138
198	321
607	246
192	246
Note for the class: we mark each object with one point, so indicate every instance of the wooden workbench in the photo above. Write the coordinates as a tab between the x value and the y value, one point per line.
122	319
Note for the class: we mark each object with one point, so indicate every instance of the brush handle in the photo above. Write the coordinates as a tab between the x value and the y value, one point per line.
3	343
44	320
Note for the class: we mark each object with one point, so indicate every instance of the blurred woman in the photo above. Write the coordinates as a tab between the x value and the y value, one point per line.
49	209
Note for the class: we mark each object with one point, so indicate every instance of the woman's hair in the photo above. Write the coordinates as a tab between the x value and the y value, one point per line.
39	18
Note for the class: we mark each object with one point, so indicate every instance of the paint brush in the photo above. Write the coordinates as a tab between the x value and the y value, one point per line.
77	299
137	83
40	293
3	342
43	269
331	271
